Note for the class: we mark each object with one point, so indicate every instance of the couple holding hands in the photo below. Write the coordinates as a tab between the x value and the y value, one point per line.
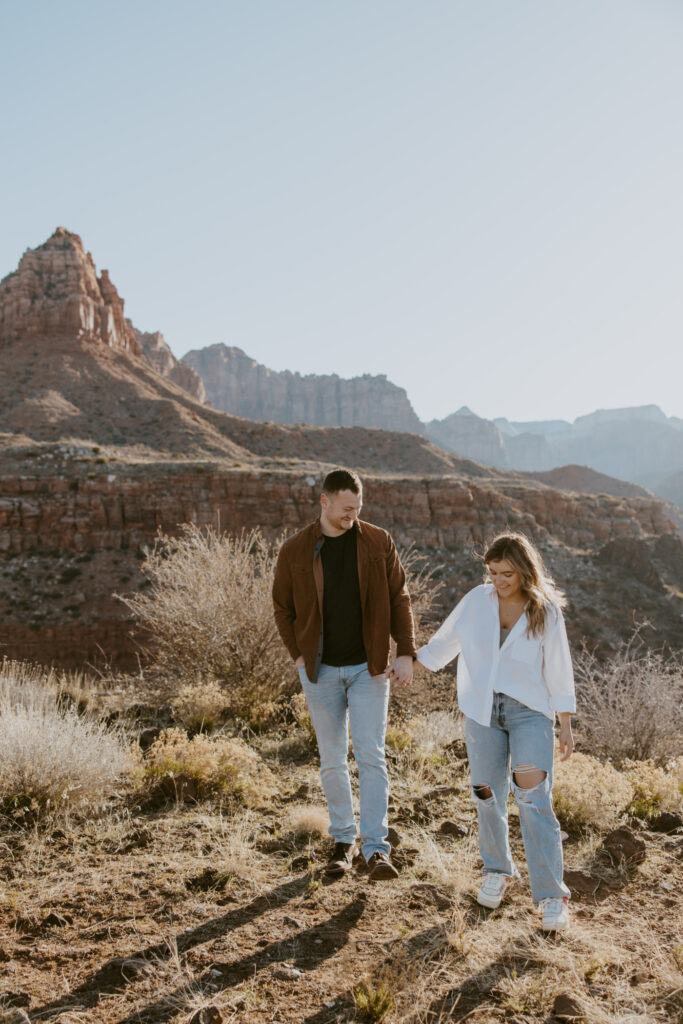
339	595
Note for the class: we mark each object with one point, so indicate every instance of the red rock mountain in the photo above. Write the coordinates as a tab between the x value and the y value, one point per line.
55	293
98	450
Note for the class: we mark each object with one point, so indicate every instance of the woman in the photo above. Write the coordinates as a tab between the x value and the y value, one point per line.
514	675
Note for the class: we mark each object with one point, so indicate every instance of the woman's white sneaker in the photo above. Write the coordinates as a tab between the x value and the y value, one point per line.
492	890
555	915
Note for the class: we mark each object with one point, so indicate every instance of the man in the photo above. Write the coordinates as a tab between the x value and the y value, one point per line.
339	593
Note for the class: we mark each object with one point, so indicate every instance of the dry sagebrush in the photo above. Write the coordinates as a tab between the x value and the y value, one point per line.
204	767
587	793
209	612
51	759
631	707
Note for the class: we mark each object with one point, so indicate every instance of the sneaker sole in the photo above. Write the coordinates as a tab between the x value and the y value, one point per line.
555	927
490	903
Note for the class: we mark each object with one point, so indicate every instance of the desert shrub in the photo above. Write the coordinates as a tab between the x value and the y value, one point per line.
209	610
397	739
435	731
51	758
199	706
204	767
631	707
423	586
655	789
587	793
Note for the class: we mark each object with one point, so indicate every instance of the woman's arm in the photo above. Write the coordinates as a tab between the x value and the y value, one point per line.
566	740
444	645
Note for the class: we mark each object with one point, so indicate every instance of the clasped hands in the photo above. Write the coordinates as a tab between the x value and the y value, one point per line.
400	671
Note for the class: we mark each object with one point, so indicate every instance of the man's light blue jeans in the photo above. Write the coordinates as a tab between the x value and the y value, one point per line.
517	737
343	696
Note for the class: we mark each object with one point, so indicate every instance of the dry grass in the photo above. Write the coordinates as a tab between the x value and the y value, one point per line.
307	820
451	866
209	611
435	730
203	767
655	789
303	718
232	839
589	793
424	587
199	707
631	707
51	759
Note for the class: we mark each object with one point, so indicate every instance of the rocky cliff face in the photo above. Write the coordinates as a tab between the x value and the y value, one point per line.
463	431
239	385
55	292
154	348
71	535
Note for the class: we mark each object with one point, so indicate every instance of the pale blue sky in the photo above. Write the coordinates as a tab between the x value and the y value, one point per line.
483	199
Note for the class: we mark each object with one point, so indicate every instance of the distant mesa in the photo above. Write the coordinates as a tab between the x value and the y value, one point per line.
240	385
639	445
464	431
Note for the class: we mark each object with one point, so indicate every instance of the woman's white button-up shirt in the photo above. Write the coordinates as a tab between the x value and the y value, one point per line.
536	671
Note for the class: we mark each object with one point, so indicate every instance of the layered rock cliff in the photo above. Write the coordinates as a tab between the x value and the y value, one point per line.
463	431
55	292
239	385
72	530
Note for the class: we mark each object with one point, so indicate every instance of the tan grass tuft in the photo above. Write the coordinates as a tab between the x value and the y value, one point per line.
589	793
199	706
435	730
305	820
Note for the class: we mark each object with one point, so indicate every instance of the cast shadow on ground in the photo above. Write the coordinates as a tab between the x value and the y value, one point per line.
305	950
119	972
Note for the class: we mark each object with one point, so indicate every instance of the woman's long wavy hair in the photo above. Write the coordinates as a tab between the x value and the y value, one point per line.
537	586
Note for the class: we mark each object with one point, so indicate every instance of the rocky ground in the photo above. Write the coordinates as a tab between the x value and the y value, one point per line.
177	912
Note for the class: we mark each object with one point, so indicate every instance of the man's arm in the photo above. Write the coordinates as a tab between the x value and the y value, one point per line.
402	625
283	604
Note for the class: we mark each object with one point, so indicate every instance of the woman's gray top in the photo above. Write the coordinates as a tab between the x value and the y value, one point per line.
503	635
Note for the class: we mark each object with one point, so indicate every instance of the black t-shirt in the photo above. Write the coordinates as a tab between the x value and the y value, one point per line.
342	612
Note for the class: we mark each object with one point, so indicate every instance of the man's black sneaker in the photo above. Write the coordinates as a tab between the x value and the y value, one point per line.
381	868
341	860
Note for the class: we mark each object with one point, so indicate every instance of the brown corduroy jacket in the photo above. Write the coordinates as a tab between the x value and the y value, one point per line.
298	597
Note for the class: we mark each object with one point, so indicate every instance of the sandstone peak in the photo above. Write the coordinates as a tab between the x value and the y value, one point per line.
55	292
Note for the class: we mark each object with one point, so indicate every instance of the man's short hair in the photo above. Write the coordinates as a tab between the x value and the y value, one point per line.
342	480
